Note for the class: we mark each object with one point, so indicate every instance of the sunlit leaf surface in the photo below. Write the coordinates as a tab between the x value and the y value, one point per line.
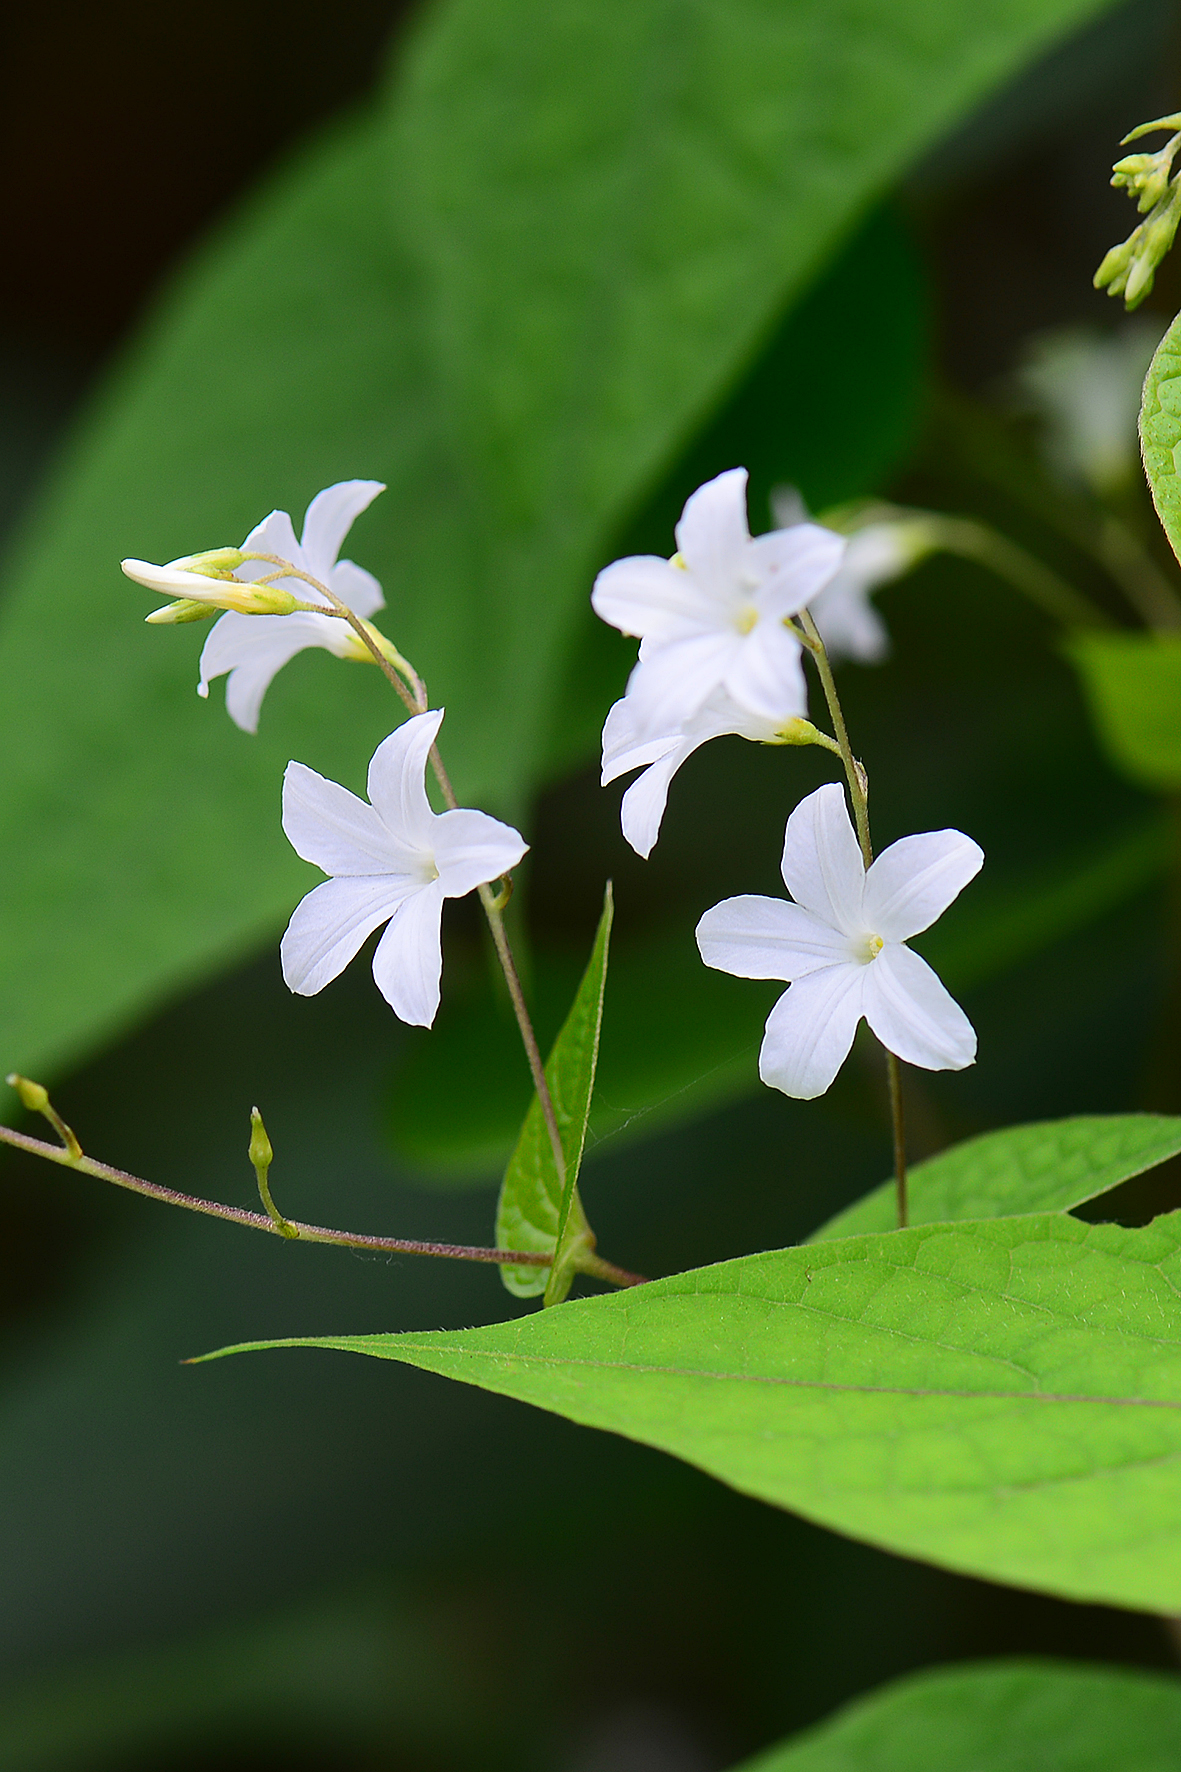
1003	1397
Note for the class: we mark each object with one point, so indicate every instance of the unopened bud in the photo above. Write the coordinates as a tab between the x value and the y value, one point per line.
261	1153
34	1096
182	610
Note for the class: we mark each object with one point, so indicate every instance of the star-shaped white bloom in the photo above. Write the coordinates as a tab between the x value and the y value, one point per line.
713	616
841	946
625	749
252	648
393	861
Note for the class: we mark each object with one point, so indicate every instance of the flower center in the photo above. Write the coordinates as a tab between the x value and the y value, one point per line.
746	618
868	948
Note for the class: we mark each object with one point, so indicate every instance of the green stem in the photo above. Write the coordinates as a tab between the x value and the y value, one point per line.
1046	589
859	793
417	701
854	773
259	1221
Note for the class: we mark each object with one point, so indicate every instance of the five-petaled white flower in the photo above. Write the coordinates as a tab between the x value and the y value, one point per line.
253	648
841	946
393	861
712	618
625	749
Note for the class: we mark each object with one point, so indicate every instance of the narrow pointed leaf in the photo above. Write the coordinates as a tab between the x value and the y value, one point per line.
1047	1167
1001	1397
534	1211
998	1717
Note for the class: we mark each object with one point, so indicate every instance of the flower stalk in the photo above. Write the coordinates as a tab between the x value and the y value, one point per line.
412	691
292	1229
859	794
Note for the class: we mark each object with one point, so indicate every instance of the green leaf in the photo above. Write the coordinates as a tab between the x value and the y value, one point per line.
1002	1398
1160	432
1048	1167
998	1717
535	1211
513	294
1133	687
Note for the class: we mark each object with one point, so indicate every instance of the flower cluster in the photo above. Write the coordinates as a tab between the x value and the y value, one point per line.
719	653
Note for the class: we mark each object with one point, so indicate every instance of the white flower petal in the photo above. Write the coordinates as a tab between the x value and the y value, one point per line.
170	581
356	587
254	648
336	831
472	848
757	937
408	963
767	675
788	507
651	597
712	535
822	865
913	1015
810	1031
642	809
328	927
329	518
623	747
671	683
275	535
914	880
794	565
397	781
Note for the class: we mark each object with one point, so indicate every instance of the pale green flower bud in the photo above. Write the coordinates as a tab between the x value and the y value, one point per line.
208	582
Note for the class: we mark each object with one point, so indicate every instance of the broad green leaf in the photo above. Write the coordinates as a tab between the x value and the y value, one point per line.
1002	1398
1048	1167
513	293
998	1717
535	1210
1133	687
1160	432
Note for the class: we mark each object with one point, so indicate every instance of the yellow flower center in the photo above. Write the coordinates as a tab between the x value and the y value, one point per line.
746	618
869	947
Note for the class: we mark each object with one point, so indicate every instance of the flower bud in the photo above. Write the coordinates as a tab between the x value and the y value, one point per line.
208	582
34	1096
184	609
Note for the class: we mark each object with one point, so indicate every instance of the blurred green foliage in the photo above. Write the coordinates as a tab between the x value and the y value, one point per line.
384	295
1003	1718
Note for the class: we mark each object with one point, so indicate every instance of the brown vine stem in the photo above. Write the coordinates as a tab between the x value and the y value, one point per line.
859	793
306	1233
414	695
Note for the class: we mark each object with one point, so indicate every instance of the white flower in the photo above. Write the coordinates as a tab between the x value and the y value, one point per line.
1086	388
252	648
713	616
393	861
849	624
625	749
841	946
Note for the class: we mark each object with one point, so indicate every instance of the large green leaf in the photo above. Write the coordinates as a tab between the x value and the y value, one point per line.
512	296
1001	1397
537	1209
1042	1168
998	1717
